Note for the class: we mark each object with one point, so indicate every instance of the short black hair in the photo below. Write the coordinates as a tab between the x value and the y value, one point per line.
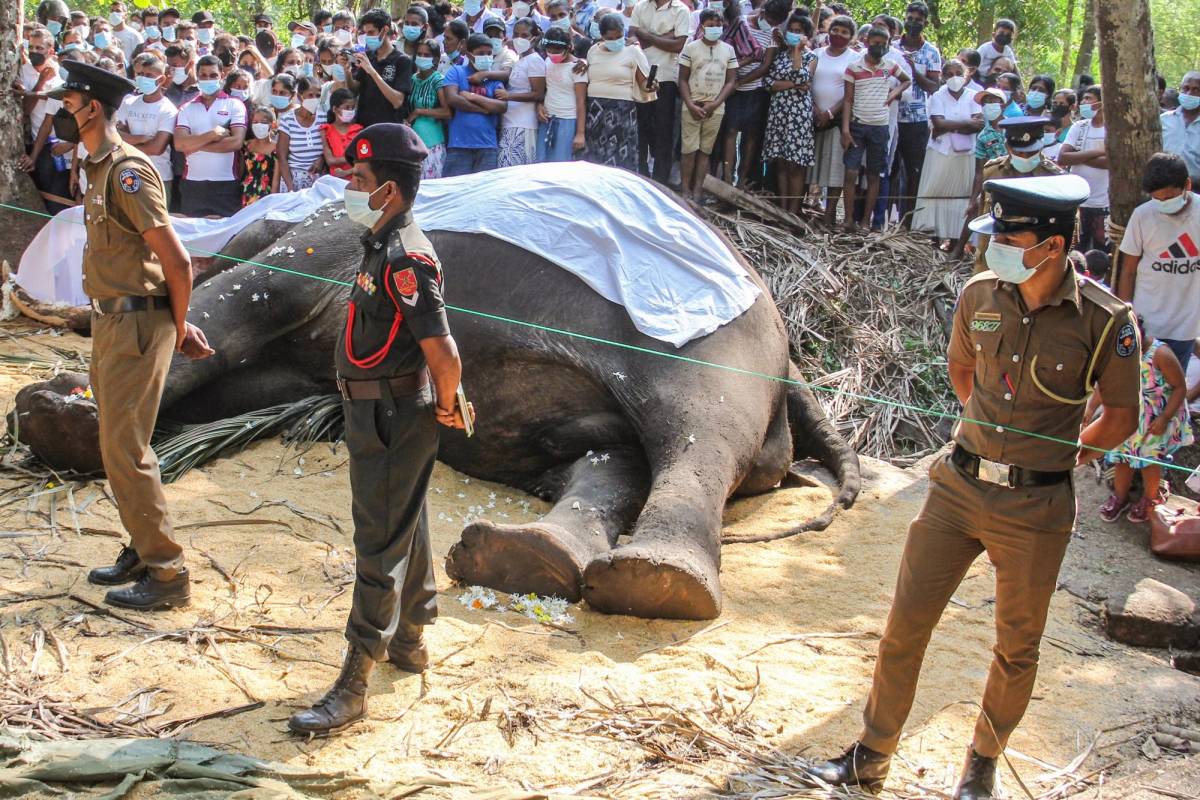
381	19
1098	263
434	48
970	57
406	176
1007	24
919	6
844	21
1164	171
178	51
1094	90
208	61
321	16
477	40
711	13
1044	79
875	30
804	21
777	9
458	28
612	22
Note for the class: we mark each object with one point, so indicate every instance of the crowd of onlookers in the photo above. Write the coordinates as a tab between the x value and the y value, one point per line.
864	120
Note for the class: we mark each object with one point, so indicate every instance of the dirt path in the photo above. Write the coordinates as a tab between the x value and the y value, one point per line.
502	708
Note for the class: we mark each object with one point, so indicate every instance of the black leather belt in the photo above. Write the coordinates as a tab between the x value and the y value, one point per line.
123	305
373	389
1003	474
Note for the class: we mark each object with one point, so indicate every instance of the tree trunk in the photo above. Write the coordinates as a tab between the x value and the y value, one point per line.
1087	44
1132	129
399	7
985	20
17	229
1066	54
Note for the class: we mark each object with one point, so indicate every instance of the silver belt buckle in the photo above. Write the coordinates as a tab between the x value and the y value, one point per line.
995	472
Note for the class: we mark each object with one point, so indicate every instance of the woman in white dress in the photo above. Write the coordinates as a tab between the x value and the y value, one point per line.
946	180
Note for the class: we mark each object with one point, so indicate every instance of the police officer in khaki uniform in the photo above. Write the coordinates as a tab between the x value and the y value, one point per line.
1030	340
1024	137
396	335
139	278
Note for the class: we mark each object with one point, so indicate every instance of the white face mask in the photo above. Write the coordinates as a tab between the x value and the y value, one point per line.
358	207
343	36
311	104
179	75
520	10
521	45
956	83
1008	262
346	115
261	129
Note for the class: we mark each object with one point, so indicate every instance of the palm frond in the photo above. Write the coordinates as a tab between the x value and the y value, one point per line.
181	448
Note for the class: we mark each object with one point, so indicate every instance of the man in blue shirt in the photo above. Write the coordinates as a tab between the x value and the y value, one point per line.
1181	127
472	145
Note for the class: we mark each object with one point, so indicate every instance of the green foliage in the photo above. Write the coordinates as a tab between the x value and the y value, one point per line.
1042	25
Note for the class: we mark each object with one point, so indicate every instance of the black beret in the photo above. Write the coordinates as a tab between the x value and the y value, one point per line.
101	84
1024	134
1022	204
387	141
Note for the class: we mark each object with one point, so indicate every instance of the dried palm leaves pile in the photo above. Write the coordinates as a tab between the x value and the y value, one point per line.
868	316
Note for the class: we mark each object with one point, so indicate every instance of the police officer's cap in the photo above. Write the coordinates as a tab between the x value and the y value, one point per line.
387	141
1022	204
1024	134
98	83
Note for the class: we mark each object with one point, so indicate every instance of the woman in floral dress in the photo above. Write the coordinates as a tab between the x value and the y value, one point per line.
1164	427
789	139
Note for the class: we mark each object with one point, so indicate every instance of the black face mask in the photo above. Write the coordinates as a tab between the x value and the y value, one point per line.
1060	111
1003	39
876	51
66	127
914	27
37	59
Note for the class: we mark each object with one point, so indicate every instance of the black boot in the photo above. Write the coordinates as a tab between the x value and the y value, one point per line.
407	650
344	704
128	568
858	766
151	594
978	778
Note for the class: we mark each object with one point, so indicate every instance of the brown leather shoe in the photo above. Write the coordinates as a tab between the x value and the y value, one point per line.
978	780
344	704
407	650
858	766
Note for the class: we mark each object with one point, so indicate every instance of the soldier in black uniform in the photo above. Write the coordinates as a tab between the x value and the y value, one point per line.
395	336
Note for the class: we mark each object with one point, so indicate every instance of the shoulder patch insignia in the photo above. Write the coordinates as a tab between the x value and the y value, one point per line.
406	285
1126	340
129	180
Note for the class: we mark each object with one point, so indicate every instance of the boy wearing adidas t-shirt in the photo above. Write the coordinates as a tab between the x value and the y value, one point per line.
1160	256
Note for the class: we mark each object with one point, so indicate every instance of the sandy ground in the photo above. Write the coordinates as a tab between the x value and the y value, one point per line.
500	708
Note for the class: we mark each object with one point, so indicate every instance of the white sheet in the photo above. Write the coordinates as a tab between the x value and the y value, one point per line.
618	233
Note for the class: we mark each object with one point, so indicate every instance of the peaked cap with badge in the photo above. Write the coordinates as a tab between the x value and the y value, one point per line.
1024	134
98	83
1024	204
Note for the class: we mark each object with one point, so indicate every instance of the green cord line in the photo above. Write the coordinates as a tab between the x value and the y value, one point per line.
883	401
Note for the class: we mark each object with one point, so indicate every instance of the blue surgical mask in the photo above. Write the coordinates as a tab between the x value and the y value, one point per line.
1035	98
1172	206
1189	102
412	32
338	72
614	45
307	69
424	62
168	33
101	40
1049	139
152	32
372	43
209	88
62	72
146	84
115	18
565	24
204	35
483	63
472	7
1008	262
497	46
327	28
713	34
763	24
594	30
1087	110
992	111
54	26
1023	164
791	38
280	103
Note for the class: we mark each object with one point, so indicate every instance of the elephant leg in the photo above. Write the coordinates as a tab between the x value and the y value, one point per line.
599	501
670	569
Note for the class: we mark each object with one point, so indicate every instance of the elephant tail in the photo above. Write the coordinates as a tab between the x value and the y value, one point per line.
813	436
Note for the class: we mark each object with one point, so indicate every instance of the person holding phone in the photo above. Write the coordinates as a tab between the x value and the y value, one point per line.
380	74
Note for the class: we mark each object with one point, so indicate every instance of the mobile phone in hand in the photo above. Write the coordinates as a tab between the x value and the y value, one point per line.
465	409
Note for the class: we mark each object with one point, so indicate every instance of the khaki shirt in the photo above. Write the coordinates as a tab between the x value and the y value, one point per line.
672	20
1035	369
125	198
1002	168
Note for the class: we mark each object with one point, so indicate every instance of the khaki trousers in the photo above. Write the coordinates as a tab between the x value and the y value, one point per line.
131	354
1025	533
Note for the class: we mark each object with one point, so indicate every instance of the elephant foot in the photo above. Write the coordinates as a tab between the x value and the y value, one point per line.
59	423
518	559
653	581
